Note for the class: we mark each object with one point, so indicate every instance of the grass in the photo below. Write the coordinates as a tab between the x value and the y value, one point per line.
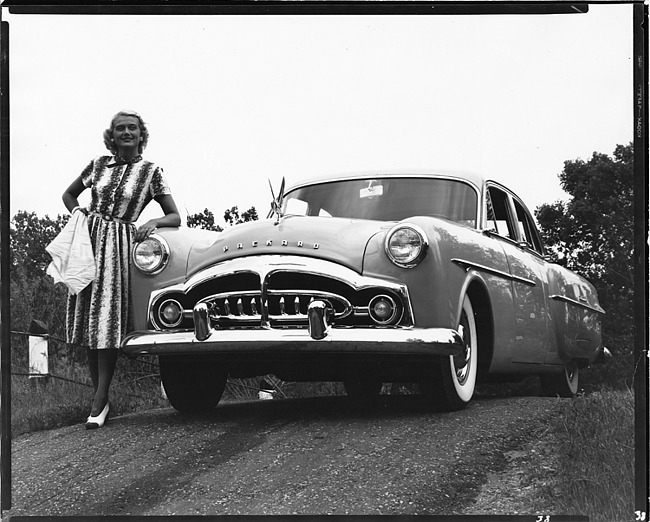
63	399
594	472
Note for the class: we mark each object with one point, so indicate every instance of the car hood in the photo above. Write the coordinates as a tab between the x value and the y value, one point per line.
335	239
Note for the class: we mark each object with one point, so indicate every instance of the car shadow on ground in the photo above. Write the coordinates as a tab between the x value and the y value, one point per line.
339	407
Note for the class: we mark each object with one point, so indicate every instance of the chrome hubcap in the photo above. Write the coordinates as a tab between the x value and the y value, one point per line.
462	362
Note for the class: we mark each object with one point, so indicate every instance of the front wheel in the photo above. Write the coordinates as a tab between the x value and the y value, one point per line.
563	384
452	382
192	384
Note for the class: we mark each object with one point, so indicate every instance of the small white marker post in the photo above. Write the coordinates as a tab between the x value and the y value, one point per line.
38	352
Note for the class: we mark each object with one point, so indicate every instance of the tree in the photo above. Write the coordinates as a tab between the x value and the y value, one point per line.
28	237
232	216
592	234
33	294
203	220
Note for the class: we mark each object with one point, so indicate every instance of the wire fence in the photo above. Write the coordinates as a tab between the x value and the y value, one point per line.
50	337
273	381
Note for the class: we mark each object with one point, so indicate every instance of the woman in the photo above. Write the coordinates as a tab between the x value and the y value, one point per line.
121	186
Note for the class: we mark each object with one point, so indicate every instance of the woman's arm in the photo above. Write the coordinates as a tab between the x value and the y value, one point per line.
72	193
171	218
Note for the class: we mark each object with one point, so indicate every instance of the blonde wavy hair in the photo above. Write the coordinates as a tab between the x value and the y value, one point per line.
144	132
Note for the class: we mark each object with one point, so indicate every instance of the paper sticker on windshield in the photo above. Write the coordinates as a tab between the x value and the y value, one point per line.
371	191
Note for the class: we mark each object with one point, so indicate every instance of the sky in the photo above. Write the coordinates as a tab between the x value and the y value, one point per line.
235	102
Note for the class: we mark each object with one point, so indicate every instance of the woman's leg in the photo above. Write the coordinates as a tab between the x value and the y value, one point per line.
93	368
106	360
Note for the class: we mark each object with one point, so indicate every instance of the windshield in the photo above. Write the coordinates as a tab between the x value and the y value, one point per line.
386	199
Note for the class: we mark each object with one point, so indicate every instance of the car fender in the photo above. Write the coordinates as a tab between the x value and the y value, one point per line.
459	260
576	316
180	241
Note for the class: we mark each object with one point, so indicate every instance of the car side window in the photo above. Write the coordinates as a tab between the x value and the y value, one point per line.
498	213
527	228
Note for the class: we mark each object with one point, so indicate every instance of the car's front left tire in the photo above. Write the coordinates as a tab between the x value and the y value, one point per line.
192	383
450	386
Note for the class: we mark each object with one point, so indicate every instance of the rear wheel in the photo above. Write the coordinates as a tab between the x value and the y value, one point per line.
452	382
564	384
192	383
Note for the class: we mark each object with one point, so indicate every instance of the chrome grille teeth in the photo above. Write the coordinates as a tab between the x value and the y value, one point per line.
287	306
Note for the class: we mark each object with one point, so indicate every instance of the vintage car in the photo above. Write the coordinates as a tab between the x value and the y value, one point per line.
433	278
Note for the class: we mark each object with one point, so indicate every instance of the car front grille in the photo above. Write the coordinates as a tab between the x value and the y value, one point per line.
250	297
282	306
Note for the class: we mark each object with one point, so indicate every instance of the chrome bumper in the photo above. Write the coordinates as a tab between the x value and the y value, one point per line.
319	337
259	340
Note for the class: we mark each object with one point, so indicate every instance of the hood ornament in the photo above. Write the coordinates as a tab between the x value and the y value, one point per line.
276	204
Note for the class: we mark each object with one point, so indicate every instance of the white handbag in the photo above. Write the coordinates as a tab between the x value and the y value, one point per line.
73	262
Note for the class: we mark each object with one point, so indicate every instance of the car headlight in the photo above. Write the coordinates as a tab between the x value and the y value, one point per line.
151	255
406	245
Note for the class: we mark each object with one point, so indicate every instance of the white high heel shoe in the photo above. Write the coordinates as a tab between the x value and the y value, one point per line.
98	421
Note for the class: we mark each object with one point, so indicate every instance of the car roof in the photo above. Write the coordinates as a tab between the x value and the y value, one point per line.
471	177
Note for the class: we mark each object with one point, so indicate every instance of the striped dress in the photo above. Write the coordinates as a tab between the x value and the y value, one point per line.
100	315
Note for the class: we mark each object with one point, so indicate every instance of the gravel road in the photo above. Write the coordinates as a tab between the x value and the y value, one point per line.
309	456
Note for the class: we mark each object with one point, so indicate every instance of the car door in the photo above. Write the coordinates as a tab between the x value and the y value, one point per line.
520	242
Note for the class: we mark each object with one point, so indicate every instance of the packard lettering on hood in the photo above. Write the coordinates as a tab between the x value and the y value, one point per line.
432	278
269	242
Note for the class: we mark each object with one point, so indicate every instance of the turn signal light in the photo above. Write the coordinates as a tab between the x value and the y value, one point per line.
383	309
